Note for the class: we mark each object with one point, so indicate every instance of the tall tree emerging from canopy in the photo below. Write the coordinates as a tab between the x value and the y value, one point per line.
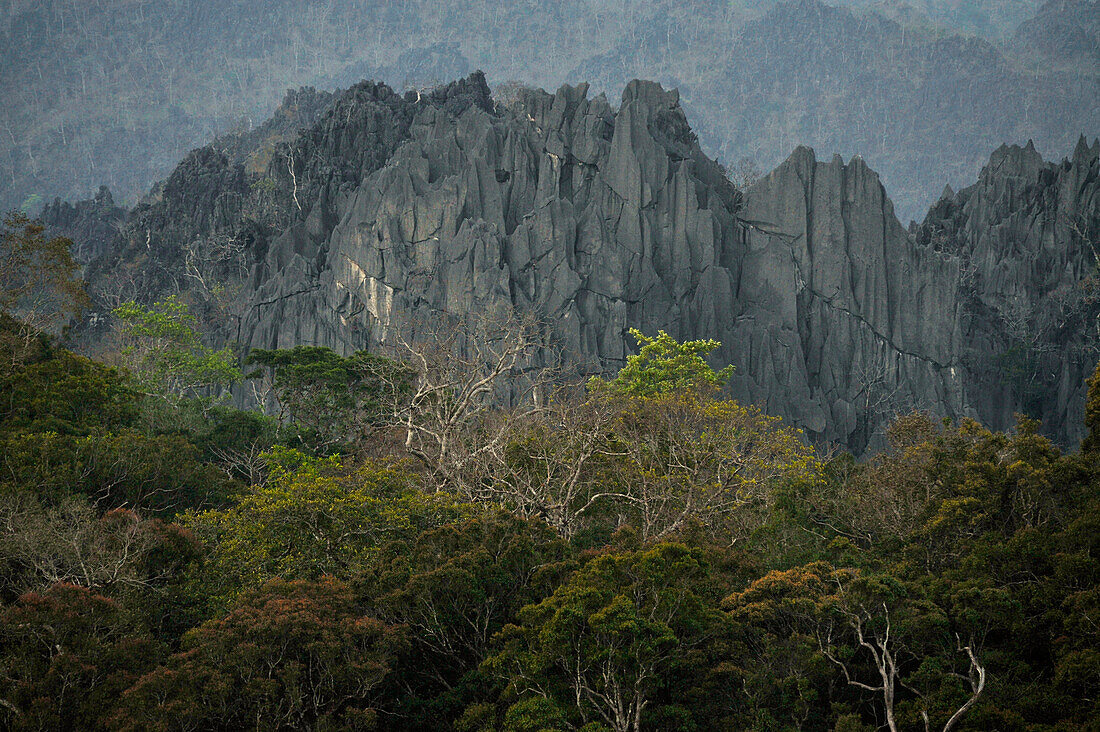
655	447
663	364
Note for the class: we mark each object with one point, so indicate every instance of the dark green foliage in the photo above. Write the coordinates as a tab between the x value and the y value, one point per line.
160	474
633	638
343	592
59	391
457	586
328	399
47	388
68	426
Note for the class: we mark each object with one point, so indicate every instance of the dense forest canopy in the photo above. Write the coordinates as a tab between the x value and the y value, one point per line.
923	90
396	551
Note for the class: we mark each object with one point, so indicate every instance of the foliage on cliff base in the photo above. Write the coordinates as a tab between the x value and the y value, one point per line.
723	576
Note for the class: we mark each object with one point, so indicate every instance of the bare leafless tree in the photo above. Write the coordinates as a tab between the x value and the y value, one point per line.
70	543
464	372
553	460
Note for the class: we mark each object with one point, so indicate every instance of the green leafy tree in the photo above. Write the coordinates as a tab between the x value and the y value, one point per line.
288	655
454	587
236	440
165	353
785	679
312	518
330	399
655	447
39	283
992	485
159	475
663	364
884	635
1075	572
59	391
632	640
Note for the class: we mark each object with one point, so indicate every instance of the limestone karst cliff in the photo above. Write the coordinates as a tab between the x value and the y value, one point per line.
1027	239
599	218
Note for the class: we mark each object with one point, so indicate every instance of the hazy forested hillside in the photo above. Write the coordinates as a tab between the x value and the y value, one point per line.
116	92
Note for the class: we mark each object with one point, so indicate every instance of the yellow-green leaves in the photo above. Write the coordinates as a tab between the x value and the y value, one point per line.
663	365
39	281
313	518
165	353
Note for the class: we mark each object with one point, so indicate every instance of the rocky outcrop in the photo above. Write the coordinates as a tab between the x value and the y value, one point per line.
596	219
1027	238
300	109
93	225
850	320
987	309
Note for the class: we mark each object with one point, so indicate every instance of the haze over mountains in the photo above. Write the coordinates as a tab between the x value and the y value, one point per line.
392	210
117	92
593	211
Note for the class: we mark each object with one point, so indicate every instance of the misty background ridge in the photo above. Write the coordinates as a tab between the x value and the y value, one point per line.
117	92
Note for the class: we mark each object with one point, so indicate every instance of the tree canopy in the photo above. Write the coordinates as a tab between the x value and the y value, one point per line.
644	553
663	364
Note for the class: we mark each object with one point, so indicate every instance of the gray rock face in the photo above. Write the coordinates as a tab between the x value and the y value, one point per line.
598	220
849	318
1027	239
595	219
93	224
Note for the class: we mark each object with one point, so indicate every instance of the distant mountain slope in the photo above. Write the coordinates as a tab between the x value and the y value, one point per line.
116	92
394	208
1065	32
991	19
922	108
